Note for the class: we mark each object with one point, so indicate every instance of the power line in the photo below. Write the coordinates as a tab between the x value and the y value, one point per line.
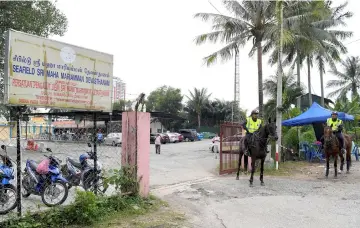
352	42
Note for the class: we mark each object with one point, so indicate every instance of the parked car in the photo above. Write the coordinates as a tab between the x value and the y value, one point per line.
181	137
173	137
164	138
232	141
189	134
114	139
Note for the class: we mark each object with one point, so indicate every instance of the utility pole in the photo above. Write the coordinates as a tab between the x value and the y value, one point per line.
279	6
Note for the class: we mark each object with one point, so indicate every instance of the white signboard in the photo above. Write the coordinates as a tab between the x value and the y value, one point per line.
45	73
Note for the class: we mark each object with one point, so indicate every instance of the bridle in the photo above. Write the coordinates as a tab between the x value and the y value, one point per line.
262	139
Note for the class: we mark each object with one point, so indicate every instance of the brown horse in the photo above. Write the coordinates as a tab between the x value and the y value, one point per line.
332	148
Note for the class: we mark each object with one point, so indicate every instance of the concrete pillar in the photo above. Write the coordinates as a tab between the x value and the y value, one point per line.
135	147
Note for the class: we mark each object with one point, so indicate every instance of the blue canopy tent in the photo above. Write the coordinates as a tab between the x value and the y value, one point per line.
315	115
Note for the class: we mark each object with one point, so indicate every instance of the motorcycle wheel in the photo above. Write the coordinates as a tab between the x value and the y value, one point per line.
90	181
48	187
8	188
25	193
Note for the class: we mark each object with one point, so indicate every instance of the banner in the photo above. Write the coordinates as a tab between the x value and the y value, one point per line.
44	73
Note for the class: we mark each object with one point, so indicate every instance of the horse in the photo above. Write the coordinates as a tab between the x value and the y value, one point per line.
332	148
258	149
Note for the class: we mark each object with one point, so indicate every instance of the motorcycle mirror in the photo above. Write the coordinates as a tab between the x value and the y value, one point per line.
3	147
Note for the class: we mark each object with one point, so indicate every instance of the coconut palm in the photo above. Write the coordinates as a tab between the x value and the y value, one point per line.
314	40
348	80
250	20
290	91
197	99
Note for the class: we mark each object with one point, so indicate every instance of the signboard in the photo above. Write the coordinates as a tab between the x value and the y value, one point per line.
44	73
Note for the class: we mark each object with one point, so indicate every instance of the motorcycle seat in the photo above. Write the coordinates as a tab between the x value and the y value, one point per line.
74	163
33	165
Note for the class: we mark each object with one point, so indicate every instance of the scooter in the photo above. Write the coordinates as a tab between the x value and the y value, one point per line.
83	173
49	185
7	189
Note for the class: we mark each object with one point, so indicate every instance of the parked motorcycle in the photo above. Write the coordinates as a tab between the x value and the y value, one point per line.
49	185
7	190
83	173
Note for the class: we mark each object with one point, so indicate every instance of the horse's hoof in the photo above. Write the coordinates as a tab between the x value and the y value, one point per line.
251	185
237	177
339	172
347	172
262	184
326	177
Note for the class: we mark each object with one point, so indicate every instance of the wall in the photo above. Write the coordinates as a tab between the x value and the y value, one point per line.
155	126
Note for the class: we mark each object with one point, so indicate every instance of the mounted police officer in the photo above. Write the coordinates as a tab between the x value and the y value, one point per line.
251	125
337	127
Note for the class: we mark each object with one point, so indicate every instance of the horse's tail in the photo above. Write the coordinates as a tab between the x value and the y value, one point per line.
348	145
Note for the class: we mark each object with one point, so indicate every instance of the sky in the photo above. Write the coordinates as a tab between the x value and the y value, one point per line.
153	45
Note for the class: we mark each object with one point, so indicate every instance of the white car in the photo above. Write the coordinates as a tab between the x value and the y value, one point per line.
173	137
113	139
215	144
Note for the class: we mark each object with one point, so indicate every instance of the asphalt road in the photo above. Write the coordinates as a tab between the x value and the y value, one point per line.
184	175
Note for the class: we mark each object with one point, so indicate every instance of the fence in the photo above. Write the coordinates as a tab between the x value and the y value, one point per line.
67	135
230	134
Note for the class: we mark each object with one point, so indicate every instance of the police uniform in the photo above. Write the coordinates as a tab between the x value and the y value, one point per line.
251	126
335	128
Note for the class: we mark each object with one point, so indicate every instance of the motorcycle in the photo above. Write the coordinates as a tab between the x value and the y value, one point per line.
45	185
83	173
7	190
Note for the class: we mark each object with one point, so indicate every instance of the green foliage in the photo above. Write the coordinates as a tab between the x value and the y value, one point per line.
291	138
85	210
123	179
122	105
308	136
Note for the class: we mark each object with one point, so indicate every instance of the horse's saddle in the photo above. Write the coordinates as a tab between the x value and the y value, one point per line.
251	141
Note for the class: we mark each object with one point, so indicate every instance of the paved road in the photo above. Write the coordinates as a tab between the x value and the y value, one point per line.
177	162
184	175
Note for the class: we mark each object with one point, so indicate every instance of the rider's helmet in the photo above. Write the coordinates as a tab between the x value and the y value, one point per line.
334	113
255	111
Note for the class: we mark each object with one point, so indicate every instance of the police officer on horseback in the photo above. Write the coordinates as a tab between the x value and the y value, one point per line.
337	127
251	125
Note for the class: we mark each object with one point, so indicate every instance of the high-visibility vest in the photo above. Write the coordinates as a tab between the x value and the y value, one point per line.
252	125
335	124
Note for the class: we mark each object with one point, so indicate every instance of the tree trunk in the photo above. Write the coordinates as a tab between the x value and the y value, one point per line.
298	75
309	82
260	79
199	123
322	86
354	92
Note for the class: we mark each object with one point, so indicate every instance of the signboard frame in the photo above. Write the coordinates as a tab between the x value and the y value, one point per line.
7	81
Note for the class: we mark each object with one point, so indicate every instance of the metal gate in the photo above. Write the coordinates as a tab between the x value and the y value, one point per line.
230	134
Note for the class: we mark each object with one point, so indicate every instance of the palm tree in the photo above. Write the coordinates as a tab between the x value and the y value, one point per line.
349	80
251	20
197	99
290	91
313	39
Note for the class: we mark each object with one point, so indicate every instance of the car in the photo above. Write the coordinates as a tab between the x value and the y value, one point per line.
173	137
188	134
181	137
208	135
114	139
164	138
232	141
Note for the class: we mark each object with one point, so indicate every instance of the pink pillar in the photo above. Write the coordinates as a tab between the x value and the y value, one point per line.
129	143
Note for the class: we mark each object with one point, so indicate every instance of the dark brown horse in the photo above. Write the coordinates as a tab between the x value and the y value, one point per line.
258	149
332	148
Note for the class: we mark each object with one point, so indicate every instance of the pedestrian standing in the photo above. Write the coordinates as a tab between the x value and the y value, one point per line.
157	143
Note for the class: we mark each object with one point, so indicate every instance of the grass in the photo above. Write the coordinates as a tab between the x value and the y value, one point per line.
156	214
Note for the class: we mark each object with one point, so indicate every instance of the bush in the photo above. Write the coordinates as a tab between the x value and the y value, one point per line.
86	210
308	136
291	138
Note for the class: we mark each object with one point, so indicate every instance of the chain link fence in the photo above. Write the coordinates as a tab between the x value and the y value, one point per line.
65	138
